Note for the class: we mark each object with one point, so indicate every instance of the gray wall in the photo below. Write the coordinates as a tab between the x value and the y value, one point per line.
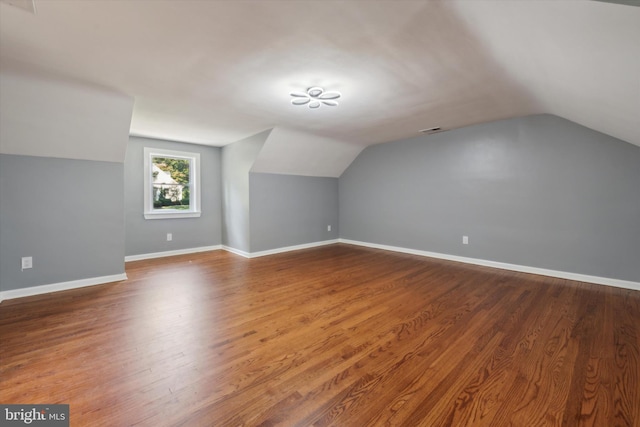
237	159
145	236
66	214
288	210
538	191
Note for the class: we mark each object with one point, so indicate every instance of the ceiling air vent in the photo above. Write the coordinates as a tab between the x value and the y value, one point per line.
626	2
432	130
28	5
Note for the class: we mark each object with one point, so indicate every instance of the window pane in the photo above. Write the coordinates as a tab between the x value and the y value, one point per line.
171	183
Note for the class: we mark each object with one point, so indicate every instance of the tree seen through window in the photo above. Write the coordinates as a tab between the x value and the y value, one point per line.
171	183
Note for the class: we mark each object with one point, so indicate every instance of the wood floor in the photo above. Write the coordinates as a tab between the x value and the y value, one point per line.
337	335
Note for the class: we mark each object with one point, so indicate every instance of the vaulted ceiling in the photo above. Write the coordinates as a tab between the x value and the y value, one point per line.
214	72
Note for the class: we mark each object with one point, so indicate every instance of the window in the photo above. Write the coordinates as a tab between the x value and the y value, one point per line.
171	184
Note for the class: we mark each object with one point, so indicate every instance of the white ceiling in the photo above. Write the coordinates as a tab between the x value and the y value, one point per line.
214	72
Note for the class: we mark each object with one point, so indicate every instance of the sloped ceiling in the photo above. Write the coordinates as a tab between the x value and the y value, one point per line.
214	72
40	117
290	152
580	60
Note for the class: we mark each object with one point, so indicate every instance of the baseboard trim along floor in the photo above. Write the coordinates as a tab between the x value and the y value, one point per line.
62	286
36	290
626	284
163	254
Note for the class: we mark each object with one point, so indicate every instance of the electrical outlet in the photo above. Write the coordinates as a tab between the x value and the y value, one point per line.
465	240
169	237
328	227
27	262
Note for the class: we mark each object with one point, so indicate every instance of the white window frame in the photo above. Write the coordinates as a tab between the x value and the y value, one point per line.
194	184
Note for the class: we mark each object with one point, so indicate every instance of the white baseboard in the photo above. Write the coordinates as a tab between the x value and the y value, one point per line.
55	287
236	251
63	286
171	253
626	284
279	250
292	248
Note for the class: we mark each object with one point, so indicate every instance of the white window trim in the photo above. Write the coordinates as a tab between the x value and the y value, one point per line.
194	184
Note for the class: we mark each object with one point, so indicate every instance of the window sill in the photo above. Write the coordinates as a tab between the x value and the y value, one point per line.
171	215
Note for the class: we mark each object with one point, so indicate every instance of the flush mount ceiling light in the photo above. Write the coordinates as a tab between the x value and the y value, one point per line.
316	96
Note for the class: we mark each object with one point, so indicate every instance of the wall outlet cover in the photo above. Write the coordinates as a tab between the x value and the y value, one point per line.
27	262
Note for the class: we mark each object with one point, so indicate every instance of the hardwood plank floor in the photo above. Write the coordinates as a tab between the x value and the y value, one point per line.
337	335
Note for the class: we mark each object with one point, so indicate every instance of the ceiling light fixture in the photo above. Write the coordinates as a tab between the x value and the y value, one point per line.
316	96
